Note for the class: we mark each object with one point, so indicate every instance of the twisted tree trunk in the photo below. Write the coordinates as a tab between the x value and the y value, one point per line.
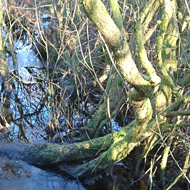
153	93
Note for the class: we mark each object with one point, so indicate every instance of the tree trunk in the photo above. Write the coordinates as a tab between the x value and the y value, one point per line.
153	92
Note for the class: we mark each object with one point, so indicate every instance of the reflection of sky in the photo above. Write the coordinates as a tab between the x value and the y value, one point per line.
115	125
27	98
27	101
26	57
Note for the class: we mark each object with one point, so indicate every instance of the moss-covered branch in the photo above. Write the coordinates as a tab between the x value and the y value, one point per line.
53	153
112	149
154	78
167	13
115	153
164	160
98	14
146	10
181	173
116	14
117	96
177	113
148	13
120	149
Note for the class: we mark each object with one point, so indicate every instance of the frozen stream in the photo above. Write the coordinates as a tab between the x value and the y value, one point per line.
27	127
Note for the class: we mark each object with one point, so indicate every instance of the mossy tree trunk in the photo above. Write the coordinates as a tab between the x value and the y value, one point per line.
114	97
151	89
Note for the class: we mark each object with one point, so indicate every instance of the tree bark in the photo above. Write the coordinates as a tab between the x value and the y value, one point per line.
152	89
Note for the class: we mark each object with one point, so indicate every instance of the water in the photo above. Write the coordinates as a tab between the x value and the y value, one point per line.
29	114
19	175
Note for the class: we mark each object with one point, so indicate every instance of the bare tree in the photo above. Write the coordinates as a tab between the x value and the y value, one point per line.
150	71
